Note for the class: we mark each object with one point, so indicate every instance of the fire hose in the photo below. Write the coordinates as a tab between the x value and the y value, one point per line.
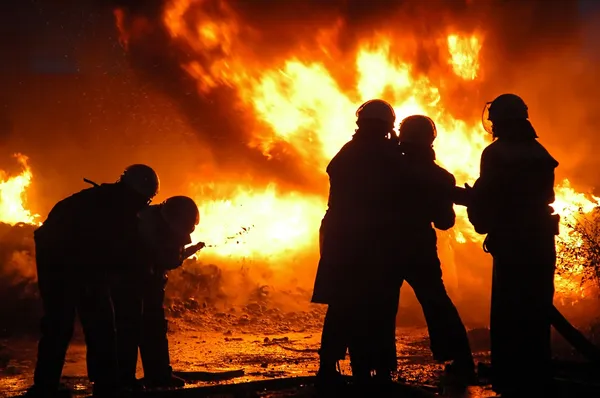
570	333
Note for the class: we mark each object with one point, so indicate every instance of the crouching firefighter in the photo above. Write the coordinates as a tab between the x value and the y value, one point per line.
510	202
165	231
355	274
79	247
429	201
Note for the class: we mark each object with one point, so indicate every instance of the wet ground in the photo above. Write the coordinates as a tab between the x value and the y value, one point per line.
252	343
259	344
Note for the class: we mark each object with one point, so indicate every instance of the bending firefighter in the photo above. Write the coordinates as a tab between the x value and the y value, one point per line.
429	201
86	238
165	231
355	276
510	202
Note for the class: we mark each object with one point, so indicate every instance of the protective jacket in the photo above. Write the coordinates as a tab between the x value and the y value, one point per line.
514	190
429	203
357	232
163	248
92	230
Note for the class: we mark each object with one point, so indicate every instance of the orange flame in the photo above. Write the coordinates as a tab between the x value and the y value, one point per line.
12	191
464	55
302	103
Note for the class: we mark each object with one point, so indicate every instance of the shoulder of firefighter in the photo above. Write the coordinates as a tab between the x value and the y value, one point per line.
514	176
72	214
164	249
94	220
505	154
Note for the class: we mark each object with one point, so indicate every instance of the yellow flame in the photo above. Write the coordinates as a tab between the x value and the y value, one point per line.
302	103
12	192
464	55
260	224
299	100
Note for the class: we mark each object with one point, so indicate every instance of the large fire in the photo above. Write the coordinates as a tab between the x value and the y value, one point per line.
299	100
13	209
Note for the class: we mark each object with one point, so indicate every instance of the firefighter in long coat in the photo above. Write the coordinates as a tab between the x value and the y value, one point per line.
510	202
356	275
429	203
80	248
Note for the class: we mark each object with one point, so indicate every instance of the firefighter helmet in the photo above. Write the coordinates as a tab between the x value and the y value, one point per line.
142	179
181	213
504	107
376	109
418	130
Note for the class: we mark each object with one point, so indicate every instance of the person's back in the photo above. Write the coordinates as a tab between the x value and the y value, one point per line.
363	193
83	244
428	204
355	273
510	202
91	229
516	185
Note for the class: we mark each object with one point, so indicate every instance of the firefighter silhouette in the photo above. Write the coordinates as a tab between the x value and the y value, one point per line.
140	316
80	247
510	203
356	269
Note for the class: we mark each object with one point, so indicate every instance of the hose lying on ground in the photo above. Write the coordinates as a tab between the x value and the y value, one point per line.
574	337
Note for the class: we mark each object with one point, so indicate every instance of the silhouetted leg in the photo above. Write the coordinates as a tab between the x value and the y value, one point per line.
447	333
334	340
384	333
371	344
128	314
154	347
97	319
360	345
523	289
59	301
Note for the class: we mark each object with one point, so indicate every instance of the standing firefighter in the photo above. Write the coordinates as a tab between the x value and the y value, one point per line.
428	202
510	202
355	274
84	240
165	231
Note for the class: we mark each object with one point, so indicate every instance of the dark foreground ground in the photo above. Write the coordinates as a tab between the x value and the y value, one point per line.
250	344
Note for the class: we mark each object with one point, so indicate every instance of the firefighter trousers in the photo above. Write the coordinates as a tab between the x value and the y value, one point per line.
522	297
127	298
362	329
154	345
63	296
447	333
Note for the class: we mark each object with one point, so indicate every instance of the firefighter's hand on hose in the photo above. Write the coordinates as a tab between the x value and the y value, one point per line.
193	249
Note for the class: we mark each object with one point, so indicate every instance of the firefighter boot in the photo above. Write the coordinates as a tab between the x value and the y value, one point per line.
328	377
461	373
166	380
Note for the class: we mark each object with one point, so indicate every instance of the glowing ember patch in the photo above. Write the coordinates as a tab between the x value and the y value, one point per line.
464	52
12	192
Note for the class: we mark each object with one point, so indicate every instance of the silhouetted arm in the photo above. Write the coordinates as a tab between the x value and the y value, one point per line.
483	193
444	215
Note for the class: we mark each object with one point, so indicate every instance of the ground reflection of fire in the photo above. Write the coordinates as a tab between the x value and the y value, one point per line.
299	100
